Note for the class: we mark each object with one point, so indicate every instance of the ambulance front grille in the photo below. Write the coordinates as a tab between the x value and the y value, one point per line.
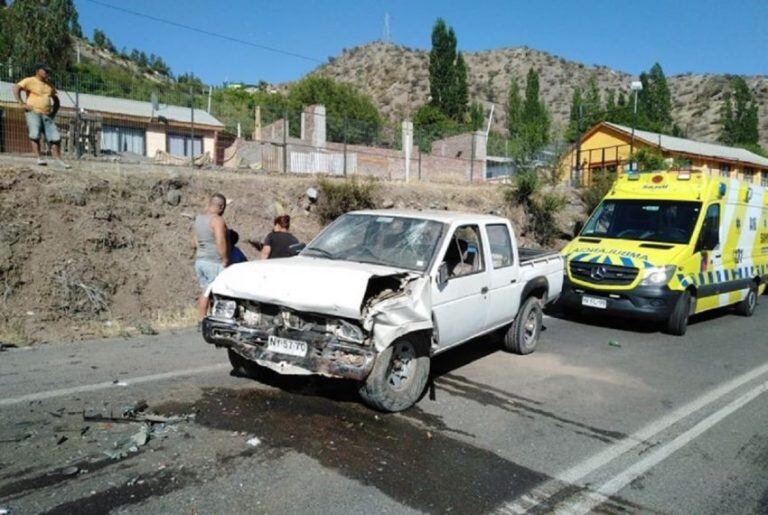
599	273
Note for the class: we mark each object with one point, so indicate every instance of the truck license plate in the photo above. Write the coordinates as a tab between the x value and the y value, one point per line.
286	346
594	302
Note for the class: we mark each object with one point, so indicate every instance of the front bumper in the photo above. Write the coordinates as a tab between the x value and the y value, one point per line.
326	355
643	302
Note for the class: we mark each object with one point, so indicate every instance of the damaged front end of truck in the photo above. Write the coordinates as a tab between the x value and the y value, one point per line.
300	337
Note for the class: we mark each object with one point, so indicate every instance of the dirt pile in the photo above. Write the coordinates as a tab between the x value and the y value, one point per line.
107	251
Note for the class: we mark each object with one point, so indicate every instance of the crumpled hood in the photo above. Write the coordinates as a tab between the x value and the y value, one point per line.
302	283
630	253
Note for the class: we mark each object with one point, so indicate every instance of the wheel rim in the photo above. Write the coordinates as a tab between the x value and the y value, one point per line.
401	368
530	328
751	299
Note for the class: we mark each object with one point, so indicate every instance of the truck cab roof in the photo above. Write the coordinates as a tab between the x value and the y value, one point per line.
447	217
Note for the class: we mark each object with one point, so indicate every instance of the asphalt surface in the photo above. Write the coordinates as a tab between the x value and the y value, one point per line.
603	417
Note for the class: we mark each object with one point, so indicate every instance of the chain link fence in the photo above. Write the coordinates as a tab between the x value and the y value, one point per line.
159	121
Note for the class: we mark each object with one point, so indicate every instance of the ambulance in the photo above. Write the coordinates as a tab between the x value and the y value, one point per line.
663	246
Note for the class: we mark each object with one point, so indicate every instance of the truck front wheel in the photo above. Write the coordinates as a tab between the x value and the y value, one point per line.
523	335
398	377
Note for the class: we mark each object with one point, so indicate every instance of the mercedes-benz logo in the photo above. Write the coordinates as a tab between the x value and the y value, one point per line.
598	273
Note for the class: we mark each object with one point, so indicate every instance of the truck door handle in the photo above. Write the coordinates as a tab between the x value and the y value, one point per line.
513	281
718	256
484	290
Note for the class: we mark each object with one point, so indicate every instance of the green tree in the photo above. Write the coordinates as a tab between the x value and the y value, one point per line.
476	116
655	101
593	108
40	31
738	115
536	120
431	124
5	34
448	83
514	110
347	111
442	57
577	104
460	98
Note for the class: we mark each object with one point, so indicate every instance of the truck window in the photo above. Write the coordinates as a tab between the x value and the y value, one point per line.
711	221
501	245
464	255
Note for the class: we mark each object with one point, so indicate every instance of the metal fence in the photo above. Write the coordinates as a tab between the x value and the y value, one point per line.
165	122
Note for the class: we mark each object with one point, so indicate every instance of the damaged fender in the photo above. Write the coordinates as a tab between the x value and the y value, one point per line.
393	314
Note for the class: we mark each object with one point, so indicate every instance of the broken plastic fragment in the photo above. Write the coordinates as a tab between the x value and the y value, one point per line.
254	441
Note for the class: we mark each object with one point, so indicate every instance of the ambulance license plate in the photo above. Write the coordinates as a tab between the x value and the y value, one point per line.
286	346
594	302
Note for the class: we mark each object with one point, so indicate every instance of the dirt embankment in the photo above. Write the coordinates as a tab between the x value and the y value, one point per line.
108	251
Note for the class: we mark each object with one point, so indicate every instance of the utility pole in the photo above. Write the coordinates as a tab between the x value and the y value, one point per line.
210	93
577	179
635	86
192	127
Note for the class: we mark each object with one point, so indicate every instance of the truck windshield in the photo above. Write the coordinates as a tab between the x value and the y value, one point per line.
393	241
662	221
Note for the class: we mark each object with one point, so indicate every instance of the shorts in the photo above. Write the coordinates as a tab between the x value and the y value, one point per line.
38	123
206	272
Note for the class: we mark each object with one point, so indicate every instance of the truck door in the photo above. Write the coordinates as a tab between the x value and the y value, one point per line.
460	304
505	288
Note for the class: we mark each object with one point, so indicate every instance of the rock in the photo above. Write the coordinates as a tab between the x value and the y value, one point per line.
102	214
173	197
387	203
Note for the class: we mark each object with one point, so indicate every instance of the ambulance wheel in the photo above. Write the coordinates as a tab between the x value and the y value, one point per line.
677	323
746	307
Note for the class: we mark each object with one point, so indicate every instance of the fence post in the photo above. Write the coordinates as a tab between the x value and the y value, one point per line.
345	145
192	127
419	164
78	145
472	161
285	141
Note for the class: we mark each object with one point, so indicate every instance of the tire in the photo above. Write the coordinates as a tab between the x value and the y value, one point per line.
242	367
677	323
746	307
523	335
399	376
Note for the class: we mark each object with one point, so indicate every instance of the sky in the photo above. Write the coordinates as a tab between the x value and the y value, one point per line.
698	36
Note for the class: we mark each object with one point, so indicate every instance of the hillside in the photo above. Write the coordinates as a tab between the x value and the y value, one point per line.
397	79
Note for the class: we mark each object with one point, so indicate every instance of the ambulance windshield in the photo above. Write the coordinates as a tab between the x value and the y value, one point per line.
661	221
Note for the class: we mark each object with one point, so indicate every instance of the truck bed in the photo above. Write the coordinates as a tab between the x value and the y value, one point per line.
528	254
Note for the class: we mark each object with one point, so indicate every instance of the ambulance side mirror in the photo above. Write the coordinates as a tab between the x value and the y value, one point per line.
577	227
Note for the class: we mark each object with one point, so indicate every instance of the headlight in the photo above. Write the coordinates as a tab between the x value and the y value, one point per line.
223	308
657	276
348	332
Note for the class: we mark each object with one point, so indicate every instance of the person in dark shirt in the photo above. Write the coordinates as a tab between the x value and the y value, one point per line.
235	254
277	243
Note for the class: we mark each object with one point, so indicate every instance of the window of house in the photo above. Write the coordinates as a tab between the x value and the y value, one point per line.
121	140
749	174
181	145
764	179
725	170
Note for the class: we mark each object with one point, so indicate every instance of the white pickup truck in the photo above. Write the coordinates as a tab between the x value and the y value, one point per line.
378	293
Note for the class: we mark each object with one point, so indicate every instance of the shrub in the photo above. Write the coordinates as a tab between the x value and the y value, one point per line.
542	220
524	186
591	195
340	196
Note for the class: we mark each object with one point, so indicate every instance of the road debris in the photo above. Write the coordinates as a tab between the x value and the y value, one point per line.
254	441
614	343
61	439
65	471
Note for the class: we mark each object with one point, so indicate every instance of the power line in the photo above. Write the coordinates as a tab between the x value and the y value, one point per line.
206	32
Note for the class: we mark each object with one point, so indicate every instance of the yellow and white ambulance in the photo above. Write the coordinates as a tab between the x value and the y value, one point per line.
665	245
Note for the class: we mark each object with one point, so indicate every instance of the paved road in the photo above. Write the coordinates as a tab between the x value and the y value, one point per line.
601	418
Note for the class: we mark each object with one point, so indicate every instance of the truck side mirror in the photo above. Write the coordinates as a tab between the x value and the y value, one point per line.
296	248
442	273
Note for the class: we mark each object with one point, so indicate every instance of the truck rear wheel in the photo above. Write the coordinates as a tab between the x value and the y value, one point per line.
398	377
523	335
243	367
746	307
677	323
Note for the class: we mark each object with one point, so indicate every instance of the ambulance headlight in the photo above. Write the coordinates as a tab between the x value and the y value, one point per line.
657	276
